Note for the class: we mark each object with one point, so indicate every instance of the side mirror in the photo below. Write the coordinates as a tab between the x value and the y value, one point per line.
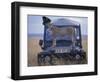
40	42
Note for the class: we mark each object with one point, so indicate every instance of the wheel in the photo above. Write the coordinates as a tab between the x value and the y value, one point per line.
54	60
80	59
44	59
47	60
77	57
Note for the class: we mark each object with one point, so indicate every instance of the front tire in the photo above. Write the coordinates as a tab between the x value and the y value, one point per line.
44	59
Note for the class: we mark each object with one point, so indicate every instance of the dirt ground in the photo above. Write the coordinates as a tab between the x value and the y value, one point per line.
34	49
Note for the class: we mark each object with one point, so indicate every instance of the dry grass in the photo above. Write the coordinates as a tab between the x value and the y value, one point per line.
34	49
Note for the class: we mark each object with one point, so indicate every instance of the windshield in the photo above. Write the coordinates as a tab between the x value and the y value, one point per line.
59	43
62	36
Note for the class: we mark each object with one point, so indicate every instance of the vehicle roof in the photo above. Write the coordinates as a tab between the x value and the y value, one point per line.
64	22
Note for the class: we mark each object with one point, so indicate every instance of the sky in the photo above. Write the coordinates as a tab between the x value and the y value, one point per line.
35	25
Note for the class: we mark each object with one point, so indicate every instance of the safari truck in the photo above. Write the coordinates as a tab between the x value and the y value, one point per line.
62	39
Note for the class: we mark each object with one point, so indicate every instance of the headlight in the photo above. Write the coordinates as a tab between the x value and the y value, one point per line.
52	51
78	49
